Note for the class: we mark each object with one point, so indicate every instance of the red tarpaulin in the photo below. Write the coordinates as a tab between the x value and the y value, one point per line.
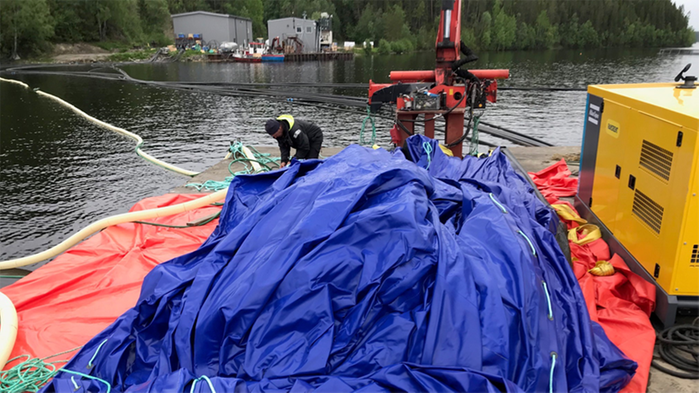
65	303
555	181
620	303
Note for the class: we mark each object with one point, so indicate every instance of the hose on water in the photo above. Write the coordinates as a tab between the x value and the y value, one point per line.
678	346
138	139
295	97
15	82
373	128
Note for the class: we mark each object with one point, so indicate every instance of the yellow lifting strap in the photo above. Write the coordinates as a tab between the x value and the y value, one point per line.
288	118
602	268
446	150
589	234
568	214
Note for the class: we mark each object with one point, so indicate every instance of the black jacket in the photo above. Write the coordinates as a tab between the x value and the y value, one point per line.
299	137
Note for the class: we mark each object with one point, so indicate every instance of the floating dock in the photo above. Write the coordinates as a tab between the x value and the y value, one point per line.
532	159
320	56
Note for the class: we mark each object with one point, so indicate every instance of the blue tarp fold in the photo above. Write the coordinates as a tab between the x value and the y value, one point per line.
364	272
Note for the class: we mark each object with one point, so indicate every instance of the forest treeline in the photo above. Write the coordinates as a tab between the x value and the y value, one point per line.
31	26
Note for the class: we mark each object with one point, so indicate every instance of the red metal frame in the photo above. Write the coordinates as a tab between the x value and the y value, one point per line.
448	41
447	48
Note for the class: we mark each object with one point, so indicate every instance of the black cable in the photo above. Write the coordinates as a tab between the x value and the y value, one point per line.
400	124
463	137
224	88
468	125
679	347
505	88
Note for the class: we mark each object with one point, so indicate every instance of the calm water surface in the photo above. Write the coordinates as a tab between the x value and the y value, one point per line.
59	172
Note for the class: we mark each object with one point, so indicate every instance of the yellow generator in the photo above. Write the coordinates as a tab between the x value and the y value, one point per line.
639	179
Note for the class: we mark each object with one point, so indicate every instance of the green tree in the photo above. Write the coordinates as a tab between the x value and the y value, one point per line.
25	25
545	31
180	6
570	32
588	37
526	36
384	47
69	24
253	9
154	17
485	34
417	15
366	25
468	37
394	21
125	23
504	28
486	24
424	39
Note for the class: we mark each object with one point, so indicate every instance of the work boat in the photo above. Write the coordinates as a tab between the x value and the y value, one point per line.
403	268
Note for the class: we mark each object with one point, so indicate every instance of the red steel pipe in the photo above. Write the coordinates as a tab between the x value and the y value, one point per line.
428	76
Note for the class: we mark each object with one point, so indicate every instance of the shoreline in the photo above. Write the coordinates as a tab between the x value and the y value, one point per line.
86	53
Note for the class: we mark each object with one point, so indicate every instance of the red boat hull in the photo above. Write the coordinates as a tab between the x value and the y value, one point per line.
247	59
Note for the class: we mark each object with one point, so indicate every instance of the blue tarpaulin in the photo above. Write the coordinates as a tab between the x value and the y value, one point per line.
364	272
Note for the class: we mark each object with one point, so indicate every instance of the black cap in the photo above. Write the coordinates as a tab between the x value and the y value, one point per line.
272	126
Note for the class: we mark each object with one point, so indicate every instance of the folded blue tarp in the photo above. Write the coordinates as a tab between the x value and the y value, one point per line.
364	272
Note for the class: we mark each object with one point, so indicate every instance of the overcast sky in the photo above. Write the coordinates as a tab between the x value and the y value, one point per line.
693	7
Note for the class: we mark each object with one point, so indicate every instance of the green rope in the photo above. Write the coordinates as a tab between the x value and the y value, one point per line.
208	381
92	359
31	374
109	386
3	276
473	148
199	223
373	128
266	161
428	149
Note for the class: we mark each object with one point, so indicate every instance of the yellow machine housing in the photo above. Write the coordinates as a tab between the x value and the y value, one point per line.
640	176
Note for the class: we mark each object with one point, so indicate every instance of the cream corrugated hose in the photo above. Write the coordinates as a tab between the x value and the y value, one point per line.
15	82
122	131
8	328
8	314
138	139
113	220
118	219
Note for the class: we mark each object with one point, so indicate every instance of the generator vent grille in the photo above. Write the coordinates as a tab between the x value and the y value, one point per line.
648	211
656	159
695	254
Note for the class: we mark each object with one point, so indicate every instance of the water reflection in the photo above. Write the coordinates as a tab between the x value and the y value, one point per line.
59	172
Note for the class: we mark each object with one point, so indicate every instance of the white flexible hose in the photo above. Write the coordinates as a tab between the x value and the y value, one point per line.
122	131
8	328
15	82
138	139
255	165
109	221
121	218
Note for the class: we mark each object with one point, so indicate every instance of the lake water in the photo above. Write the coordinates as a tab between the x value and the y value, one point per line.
60	173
